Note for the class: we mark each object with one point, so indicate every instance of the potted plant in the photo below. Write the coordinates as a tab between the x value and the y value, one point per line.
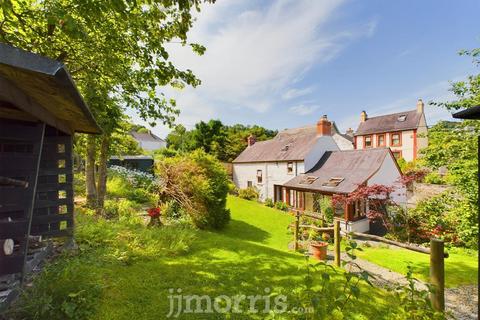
319	246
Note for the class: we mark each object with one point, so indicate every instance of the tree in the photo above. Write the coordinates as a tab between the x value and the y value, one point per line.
115	51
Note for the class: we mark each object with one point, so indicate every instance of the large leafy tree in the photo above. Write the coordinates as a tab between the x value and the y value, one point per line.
115	51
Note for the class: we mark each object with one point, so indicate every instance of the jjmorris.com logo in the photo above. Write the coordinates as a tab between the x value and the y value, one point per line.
265	303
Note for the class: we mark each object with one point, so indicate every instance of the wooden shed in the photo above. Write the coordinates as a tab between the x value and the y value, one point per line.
40	109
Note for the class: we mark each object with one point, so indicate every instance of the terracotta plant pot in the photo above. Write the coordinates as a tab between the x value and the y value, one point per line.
319	250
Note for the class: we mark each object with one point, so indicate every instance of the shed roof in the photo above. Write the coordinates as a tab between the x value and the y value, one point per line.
355	167
470	113
33	87
390	123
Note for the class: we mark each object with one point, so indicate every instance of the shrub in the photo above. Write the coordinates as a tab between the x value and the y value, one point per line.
133	185
280	205
199	183
269	202
434	178
79	184
327	209
250	193
232	189
122	208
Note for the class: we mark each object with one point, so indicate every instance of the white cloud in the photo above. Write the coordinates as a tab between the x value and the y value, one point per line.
303	110
257	52
295	93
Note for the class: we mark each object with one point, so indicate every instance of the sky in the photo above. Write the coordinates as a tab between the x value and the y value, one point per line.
285	63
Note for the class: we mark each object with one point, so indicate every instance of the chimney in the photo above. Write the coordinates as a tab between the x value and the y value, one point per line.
324	127
350	132
251	140
363	116
420	106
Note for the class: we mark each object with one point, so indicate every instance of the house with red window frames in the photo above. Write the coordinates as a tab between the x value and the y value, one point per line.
405	133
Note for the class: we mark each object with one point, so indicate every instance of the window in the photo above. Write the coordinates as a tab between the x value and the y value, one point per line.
381	140
249	184
402	118
396	139
367	142
290	167
333	182
359	209
308	180
259	176
397	154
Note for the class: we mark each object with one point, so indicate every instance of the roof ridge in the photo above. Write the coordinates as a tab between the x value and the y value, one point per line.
390	114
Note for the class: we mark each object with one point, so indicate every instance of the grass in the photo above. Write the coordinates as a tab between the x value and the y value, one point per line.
461	267
129	269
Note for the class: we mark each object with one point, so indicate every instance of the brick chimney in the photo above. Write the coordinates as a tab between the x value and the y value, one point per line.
324	126
251	140
420	106
363	116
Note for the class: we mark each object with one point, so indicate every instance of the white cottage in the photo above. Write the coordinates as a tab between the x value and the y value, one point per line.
267	165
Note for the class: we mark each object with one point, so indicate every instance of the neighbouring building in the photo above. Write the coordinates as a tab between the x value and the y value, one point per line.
140	162
148	141
342	172
267	165
405	133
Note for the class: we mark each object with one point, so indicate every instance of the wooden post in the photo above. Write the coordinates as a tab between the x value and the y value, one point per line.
297	228
336	234
437	274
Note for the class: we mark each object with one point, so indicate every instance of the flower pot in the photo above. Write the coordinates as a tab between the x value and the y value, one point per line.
319	250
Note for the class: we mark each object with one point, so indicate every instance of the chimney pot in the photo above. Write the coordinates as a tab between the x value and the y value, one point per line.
324	126
363	116
420	106
251	140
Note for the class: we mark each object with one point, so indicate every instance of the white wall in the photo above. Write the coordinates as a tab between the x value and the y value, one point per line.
323	144
152	145
272	172
389	175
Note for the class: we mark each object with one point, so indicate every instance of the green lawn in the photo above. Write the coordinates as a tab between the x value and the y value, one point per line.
461	267
245	258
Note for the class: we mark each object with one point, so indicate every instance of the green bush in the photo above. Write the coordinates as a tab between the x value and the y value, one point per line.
120	187
79	184
327	209
269	202
65	290
120	209
434	178
232	189
199	183
280	205
250	193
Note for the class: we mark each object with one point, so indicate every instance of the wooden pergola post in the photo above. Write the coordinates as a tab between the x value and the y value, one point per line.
337	239
437	274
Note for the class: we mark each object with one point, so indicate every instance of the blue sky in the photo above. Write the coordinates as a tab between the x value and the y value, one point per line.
283	64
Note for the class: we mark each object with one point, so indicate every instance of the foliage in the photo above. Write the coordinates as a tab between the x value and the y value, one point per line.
224	142
448	216
131	184
120	209
434	178
65	290
79	184
414	303
250	193
269	202
199	184
327	209
280	205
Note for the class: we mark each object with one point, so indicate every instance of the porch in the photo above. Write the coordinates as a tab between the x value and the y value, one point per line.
352	216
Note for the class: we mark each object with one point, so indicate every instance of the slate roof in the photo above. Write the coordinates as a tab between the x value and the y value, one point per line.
147	137
389	123
299	141
49	86
355	167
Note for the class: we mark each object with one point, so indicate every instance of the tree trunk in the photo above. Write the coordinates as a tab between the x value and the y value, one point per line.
102	172
91	189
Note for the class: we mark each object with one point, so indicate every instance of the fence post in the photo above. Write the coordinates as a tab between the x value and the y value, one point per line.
297	227
437	274
336	236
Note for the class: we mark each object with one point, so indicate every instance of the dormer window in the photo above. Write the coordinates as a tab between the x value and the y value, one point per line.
333	182
402	118
309	180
